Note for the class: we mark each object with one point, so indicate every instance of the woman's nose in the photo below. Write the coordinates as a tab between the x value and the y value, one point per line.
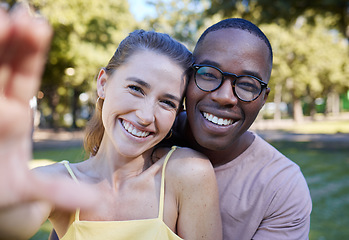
146	114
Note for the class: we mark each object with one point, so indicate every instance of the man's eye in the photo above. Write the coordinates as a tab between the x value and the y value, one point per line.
248	84
207	76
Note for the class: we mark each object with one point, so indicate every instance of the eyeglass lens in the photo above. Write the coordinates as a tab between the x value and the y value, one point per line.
209	79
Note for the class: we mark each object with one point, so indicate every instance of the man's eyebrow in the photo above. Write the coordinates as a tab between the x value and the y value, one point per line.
139	81
244	72
209	62
252	73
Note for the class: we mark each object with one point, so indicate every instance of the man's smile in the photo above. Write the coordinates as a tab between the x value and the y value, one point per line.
217	120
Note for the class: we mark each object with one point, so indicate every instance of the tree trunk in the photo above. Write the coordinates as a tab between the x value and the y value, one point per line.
312	109
333	103
277	101
297	110
75	101
55	115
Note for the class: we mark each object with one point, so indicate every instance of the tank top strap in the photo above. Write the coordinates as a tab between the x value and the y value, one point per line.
70	171
162	187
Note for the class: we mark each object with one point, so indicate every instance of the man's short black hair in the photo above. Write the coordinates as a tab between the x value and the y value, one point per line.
238	23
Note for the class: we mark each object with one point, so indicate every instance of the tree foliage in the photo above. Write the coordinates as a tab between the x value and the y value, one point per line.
285	12
310	62
86	34
311	55
183	19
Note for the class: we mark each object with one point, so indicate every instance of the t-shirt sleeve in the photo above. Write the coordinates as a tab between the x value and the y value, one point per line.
288	215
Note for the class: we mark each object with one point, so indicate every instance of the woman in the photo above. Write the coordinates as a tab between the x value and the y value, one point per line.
175	197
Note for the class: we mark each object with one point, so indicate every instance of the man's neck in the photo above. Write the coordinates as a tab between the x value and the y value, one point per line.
220	157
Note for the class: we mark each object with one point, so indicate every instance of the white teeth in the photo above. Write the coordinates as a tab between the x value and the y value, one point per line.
133	130
216	120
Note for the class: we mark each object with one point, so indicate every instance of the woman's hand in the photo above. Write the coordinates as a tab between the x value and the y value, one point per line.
24	43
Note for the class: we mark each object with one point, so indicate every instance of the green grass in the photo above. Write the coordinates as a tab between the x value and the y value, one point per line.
71	154
325	169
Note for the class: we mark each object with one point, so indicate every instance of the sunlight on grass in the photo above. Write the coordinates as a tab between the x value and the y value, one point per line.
71	154
39	163
322	127
46	157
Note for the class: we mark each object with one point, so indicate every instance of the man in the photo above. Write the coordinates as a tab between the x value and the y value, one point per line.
263	194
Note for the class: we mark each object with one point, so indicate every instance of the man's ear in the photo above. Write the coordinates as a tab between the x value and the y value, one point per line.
101	83
266	94
265	97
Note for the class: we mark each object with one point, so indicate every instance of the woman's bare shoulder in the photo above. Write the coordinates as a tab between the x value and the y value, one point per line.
189	156
190	165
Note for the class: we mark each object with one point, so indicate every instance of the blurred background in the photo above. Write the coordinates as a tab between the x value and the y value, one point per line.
309	39
309	83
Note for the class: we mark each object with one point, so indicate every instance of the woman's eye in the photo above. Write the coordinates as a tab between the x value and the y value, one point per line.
136	89
169	104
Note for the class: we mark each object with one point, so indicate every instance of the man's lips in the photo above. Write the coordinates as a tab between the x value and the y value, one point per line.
133	130
217	120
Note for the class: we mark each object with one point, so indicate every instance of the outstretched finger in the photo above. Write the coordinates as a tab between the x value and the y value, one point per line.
25	54
4	41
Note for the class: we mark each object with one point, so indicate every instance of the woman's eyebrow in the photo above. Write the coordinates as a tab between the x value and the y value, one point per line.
148	86
139	81
170	96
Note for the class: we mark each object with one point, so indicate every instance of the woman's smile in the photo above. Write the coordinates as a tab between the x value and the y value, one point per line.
133	130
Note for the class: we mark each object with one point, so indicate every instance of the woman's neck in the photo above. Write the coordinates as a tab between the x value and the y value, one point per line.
110	165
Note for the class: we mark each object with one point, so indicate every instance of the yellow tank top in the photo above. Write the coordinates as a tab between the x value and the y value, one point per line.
154	228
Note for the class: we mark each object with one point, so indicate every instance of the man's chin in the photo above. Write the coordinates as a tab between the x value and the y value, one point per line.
213	145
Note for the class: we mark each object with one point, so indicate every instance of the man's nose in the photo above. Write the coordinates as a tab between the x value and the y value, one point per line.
224	95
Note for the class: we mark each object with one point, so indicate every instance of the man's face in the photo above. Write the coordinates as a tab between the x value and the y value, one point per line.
217	119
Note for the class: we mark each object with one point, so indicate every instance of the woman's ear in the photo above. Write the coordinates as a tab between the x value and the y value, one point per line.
101	83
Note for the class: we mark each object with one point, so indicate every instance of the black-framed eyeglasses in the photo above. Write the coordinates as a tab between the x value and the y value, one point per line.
246	87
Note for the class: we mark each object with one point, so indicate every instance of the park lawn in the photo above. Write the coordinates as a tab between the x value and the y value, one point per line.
56	155
326	171
320	127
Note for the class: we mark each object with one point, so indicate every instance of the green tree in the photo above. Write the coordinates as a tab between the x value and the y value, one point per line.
183	20
309	63
285	12
86	34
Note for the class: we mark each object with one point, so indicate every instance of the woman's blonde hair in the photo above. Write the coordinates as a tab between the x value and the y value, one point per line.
135	41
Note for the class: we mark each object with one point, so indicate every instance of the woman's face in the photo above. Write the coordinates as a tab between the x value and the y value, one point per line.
141	99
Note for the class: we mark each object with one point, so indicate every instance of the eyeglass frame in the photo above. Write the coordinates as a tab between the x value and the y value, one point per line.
196	67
